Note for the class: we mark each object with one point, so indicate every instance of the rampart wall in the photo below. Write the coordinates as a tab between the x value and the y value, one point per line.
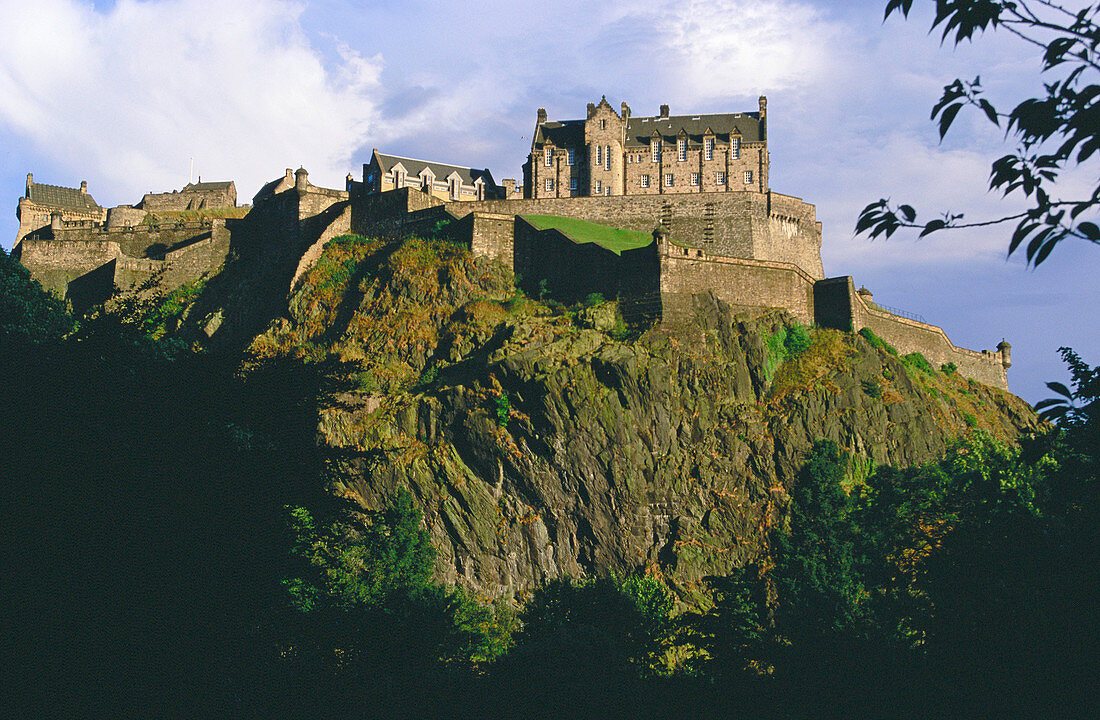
760	226
189	200
740	283
840	306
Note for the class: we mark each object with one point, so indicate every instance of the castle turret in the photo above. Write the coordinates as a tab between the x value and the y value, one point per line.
1006	354
301	180
55	220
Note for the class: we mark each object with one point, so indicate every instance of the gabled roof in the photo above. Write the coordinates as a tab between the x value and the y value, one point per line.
416	167
62	198
563	133
640	130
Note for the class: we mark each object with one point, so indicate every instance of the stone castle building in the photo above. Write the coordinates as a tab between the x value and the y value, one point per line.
193	196
613	153
689	193
37	207
440	180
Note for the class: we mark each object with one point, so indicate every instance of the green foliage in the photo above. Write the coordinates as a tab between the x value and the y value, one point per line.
1055	132
620	330
917	361
502	407
877	342
949	368
594	299
786	343
734	633
28	314
969	419
599	625
871	388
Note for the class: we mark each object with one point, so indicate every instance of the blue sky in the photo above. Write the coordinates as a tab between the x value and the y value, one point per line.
124	95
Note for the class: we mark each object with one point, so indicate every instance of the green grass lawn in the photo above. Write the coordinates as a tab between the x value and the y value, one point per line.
582	231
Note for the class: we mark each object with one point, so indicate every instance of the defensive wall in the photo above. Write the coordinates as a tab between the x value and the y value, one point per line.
754	226
841	306
83	262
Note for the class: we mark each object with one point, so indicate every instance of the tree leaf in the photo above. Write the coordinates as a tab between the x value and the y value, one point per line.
990	112
948	117
932	226
908	213
1060	389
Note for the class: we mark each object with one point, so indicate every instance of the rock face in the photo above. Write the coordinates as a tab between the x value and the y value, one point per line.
539	445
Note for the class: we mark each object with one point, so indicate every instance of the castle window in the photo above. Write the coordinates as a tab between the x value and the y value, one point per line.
645	181
668	179
607	190
695	178
721	178
748	177
682	149
548	155
572	183
549	185
570	156
599	155
603	124
709	148
607	155
735	148
655	148
599	187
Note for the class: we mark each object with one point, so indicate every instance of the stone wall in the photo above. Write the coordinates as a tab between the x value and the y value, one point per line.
492	235
550	256
190	199
740	283
54	263
840	306
755	226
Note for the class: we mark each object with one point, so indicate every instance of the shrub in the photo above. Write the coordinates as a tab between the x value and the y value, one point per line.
970	420
797	341
503	407
877	342
594	299
919	362
871	388
949	368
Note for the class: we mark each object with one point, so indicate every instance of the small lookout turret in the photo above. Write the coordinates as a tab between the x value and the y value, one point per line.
1006	353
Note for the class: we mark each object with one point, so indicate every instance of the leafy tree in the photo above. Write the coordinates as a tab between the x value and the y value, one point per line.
1054	132
28	314
602	624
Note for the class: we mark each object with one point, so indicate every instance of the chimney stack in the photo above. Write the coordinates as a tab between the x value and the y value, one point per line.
664	111
83	187
30	183
542	115
625	111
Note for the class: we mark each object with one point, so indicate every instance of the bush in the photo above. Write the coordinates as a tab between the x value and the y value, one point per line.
949	368
872	388
797	341
503	407
594	299
919	362
877	342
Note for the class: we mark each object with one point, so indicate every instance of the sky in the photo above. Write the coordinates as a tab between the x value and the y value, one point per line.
131	96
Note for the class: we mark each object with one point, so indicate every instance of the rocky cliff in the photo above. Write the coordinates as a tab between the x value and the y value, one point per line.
544	441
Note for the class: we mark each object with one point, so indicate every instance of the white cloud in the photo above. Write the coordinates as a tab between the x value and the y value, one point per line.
127	96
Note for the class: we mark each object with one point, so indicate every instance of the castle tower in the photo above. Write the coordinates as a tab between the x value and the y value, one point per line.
604	133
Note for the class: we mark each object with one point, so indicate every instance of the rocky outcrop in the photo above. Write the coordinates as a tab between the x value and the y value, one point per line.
542	442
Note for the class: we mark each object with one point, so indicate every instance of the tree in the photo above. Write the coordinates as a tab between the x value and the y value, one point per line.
28	314
1054	132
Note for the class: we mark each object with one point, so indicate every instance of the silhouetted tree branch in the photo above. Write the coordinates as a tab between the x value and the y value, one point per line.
1055	132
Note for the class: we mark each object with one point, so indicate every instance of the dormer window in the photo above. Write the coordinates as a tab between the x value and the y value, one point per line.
682	149
708	149
655	148
735	148
548	156
455	188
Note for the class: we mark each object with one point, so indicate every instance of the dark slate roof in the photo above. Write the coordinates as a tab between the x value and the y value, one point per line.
441	170
639	130
563	133
207	186
62	198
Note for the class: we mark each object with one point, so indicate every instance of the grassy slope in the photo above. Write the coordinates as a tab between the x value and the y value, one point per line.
581	231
